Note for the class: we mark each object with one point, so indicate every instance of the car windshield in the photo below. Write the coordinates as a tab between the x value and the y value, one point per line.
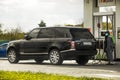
81	34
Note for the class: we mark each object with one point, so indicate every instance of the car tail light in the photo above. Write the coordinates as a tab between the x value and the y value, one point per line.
89	29
72	44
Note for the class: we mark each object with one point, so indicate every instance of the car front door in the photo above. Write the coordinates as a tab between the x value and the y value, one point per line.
39	42
30	45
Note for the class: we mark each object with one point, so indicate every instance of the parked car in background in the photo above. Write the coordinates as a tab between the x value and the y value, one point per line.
3	51
55	44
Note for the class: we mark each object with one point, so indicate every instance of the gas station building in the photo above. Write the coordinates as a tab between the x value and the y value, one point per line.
100	22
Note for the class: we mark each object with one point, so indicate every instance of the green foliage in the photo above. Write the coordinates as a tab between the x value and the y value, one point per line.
7	75
77	25
42	24
13	34
104	26
100	56
0	28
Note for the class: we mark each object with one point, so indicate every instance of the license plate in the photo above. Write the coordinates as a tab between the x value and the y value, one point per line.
87	43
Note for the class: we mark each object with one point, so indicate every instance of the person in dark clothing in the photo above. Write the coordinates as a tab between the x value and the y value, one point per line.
109	46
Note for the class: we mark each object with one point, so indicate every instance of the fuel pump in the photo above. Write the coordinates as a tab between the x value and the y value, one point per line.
103	22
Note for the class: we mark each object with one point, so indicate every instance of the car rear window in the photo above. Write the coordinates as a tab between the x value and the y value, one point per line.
81	34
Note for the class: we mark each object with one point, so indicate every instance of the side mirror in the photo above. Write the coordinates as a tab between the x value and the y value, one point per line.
27	37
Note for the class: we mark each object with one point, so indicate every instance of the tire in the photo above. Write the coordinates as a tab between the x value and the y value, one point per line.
82	60
39	61
12	56
55	57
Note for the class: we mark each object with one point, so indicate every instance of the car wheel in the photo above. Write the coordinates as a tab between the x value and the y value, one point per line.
12	56
39	61
55	57
82	60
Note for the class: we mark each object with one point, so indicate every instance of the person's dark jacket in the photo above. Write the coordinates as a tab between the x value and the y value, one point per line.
110	44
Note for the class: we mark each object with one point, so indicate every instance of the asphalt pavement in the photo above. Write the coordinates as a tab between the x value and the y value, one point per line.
70	68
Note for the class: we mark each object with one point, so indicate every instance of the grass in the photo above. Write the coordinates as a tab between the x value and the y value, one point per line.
10	75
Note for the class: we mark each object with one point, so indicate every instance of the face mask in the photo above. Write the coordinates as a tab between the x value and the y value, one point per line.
106	34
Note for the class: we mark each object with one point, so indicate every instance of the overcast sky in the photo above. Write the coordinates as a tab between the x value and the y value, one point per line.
28	13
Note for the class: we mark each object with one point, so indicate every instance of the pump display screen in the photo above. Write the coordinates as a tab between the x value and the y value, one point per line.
103	33
103	3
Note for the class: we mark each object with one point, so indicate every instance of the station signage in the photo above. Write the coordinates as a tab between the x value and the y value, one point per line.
104	3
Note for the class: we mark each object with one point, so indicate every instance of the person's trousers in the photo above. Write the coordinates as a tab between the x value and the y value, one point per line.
109	55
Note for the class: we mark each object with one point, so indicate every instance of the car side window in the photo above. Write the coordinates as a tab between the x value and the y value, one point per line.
62	33
46	33
34	33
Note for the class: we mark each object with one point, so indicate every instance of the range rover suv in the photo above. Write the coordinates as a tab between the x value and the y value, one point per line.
55	44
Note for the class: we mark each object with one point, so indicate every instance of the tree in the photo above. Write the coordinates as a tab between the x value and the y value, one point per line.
104	26
42	24
69	25
13	34
76	25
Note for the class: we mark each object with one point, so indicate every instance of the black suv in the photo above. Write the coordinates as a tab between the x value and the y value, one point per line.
55	44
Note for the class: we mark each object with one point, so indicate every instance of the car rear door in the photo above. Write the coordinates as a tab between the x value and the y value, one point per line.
44	39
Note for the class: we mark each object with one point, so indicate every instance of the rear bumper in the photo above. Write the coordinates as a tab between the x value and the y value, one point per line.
72	53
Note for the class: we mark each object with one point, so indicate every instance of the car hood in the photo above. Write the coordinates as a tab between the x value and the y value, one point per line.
17	41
